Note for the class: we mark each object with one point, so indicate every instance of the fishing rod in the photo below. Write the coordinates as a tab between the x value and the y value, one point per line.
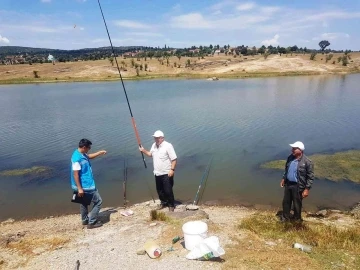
122	82
124	183
204	176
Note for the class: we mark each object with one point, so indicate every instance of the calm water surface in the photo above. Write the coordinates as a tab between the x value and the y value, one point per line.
240	123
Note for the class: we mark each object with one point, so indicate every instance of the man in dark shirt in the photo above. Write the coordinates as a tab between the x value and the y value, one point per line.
297	180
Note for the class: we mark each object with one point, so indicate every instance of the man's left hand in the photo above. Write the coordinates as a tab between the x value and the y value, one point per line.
102	152
305	193
171	173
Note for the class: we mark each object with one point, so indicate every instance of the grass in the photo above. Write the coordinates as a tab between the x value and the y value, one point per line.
28	245
333	247
35	170
335	167
158	215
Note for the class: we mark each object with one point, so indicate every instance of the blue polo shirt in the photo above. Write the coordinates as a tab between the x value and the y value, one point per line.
292	171
85	172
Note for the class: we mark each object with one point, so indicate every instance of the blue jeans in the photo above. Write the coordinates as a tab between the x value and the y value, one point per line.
97	201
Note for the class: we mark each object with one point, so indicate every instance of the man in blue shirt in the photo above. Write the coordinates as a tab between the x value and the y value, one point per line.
297	180
82	181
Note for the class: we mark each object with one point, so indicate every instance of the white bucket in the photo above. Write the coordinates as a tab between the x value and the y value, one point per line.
194	233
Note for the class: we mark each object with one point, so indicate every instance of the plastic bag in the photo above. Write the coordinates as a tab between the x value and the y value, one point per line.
206	250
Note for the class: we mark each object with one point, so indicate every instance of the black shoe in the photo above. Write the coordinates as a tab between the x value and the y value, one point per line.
171	209
85	222
94	225
282	219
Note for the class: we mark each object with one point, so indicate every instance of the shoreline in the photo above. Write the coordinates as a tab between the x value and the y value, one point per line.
208	204
184	76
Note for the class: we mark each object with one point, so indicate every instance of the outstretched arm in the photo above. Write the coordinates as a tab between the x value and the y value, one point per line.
98	153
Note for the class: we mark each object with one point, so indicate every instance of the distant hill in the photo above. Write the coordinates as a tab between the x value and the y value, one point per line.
8	50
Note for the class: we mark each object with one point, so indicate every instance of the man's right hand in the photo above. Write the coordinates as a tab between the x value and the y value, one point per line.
80	192
141	149
282	183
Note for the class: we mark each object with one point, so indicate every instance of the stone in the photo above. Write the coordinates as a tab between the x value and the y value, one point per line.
8	221
322	213
198	215
356	211
270	243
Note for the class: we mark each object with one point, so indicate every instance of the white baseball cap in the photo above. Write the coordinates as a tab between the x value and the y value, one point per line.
158	134
299	145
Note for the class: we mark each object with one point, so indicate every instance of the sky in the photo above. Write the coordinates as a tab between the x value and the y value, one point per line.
75	24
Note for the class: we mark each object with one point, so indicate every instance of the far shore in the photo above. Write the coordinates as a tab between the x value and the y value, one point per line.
222	67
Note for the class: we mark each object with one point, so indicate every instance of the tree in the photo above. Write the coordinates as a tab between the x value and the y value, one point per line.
312	56
36	75
323	44
261	50
146	66
281	50
345	61
151	54
178	56
111	59
294	48
244	51
211	46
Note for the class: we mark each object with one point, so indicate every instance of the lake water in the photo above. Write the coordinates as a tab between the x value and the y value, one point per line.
240	123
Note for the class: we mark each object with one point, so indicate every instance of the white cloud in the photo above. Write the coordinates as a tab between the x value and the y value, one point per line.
131	24
144	34
274	41
217	12
4	40
190	21
246	6
332	36
45	1
270	10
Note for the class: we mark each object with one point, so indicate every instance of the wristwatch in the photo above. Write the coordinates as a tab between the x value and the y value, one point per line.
172	169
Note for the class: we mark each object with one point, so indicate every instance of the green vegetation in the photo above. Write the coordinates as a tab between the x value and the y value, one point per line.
35	170
335	167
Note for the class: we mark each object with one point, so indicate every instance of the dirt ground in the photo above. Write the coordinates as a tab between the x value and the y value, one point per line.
58	242
217	65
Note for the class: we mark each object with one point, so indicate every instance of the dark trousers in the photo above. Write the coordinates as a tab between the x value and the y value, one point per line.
164	187
292	195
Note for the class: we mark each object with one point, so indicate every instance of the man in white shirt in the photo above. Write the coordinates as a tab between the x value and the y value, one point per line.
164	159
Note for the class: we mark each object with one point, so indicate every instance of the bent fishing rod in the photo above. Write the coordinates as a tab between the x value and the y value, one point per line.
122	82
204	176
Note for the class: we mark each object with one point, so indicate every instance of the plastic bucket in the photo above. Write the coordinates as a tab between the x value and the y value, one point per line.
194	233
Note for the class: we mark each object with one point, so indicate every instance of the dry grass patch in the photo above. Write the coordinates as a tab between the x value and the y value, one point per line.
158	215
35	245
332	246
